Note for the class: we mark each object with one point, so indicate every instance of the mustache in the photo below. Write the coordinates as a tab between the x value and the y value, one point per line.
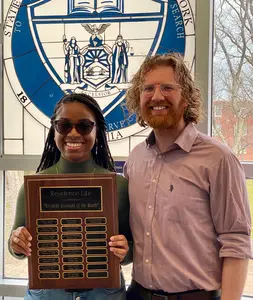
159	103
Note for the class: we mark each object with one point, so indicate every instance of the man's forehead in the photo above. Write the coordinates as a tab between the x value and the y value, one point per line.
160	73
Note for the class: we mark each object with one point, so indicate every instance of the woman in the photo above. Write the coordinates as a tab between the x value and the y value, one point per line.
76	143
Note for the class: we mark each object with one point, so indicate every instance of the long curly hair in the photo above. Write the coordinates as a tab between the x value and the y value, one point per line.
100	152
190	92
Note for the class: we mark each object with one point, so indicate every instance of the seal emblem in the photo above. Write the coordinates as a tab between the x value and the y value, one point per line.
54	47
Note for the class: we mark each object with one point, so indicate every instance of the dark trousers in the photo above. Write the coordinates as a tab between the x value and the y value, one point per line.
136	292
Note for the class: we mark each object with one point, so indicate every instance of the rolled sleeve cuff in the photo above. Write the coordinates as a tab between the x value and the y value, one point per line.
235	245
18	256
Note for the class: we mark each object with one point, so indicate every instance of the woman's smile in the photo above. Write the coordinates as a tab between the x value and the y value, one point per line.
74	145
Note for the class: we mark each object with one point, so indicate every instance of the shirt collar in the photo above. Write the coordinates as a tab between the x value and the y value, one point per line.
185	141
187	138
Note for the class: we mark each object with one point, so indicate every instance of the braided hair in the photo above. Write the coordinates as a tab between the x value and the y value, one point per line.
100	152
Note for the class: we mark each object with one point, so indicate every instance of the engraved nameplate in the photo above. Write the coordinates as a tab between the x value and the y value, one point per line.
47	229
97	267
96	244
95	228
96	275
48	275
71	221
96	251
95	236
48	252
72	236
72	244
72	259
49	268
47	222
95	259
72	229
48	260
72	267
95	221
73	275
71	199
72	252
47	237
48	245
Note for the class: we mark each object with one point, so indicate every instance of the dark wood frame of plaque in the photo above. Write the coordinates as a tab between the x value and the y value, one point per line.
71	218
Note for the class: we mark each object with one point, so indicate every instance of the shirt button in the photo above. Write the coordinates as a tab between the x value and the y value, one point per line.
160	156
150	206
147	234
147	261
154	180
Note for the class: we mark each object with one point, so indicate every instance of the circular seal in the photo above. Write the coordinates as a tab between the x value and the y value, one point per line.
90	47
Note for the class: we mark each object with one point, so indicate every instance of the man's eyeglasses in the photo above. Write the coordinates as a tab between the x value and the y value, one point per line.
166	89
83	127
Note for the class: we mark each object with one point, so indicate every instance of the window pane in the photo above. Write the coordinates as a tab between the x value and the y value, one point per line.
232	76
127	270
232	107
13	268
249	283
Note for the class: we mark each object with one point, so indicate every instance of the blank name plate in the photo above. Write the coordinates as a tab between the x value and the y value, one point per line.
71	218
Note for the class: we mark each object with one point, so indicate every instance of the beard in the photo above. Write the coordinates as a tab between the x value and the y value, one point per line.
169	120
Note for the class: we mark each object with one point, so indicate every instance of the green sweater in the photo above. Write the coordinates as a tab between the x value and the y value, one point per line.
65	166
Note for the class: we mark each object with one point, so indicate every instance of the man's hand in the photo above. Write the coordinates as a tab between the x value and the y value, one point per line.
20	241
119	246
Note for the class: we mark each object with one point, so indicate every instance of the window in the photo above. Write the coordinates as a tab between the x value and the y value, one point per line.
13	268
232	66
231	122
232	89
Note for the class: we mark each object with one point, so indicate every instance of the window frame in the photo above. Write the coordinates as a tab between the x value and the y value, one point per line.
203	71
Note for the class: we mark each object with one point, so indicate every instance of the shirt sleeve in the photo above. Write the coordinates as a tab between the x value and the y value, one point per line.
125	170
124	226
230	208
19	219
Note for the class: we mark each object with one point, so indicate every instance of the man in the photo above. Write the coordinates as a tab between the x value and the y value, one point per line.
189	210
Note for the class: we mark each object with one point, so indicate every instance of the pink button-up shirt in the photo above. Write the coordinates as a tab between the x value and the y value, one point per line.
188	209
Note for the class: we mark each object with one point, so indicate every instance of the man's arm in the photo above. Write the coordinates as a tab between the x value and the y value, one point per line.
234	275
231	217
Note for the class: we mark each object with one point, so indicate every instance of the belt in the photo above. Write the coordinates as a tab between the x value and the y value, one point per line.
188	295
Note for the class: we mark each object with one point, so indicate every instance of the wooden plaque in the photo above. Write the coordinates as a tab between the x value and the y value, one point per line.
71	218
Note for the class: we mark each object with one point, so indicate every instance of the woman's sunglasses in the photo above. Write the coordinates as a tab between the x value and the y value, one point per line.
83	127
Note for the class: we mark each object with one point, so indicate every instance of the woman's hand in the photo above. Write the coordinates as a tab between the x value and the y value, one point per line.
119	246
20	241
